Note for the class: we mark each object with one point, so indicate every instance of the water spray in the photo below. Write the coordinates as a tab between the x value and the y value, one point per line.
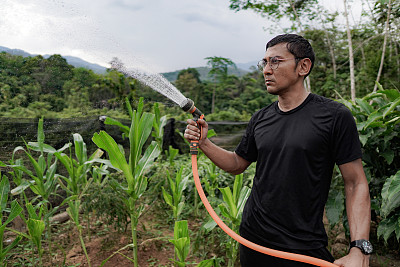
161	85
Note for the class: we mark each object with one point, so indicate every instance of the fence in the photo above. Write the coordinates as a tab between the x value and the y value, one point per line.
59	132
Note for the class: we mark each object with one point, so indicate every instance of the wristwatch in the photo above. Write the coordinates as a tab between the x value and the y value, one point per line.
364	245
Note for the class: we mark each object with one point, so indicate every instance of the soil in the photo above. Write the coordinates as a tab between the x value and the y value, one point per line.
154	249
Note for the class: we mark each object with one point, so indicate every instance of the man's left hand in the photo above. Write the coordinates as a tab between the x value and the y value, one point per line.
354	259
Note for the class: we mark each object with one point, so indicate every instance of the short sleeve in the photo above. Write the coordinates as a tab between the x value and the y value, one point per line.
247	147
346	143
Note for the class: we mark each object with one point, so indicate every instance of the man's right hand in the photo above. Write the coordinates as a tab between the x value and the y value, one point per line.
192	132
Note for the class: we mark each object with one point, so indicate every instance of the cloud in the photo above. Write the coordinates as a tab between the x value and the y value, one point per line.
124	4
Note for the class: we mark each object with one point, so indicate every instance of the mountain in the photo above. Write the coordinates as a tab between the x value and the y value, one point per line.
74	61
241	70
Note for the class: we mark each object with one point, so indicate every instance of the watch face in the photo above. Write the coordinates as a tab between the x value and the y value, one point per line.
367	247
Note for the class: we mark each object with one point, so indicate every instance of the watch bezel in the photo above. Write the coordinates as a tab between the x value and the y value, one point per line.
364	245
367	247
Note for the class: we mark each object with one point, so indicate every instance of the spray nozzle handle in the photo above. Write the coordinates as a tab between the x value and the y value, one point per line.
197	114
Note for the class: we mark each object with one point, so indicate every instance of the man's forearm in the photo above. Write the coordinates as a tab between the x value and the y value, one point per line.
224	159
358	210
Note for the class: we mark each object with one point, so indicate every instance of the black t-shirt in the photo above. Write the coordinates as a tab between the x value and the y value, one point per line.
295	153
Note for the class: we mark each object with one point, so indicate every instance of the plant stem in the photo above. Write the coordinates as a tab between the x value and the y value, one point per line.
134	239
84	247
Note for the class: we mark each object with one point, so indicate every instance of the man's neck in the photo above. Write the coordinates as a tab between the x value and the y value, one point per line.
292	100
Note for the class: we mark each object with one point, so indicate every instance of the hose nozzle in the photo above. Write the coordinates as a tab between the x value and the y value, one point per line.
197	114
189	107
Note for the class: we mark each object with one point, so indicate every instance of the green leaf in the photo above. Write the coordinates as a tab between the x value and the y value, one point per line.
181	229
4	191
388	155
21	188
12	245
244	195
394	104
334	206
15	211
151	153
140	130
117	159
35	228
36	147
40	135
376	115
167	197
80	148
123	128
229	200
390	194
391	94
365	106
388	226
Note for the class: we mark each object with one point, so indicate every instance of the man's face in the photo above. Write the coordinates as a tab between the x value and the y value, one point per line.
282	78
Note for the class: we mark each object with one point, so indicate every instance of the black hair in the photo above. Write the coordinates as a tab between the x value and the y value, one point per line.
297	45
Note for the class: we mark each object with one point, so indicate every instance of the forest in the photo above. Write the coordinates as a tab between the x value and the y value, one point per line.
104	187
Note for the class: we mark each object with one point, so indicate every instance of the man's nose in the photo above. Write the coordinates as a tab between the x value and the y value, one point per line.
267	69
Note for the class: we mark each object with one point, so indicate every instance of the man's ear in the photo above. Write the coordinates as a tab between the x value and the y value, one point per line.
304	66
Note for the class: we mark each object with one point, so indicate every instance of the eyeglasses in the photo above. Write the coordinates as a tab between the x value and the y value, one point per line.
273	62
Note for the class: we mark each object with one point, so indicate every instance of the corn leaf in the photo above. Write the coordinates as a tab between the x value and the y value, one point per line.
123	128
4	191
104	141
35	228
15	211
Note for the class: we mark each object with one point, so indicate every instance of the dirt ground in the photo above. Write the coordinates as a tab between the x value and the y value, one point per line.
154	247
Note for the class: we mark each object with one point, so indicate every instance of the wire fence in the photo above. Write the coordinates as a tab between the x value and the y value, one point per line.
16	131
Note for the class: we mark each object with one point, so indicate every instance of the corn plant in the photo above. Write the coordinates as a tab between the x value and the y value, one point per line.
13	213
36	227
232	209
171	154
181	242
43	181
175	199
73	212
134	170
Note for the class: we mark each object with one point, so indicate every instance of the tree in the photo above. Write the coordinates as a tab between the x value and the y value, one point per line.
188	82
386	33
351	55
219	71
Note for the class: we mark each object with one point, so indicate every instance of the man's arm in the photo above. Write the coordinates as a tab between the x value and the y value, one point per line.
358	208
226	160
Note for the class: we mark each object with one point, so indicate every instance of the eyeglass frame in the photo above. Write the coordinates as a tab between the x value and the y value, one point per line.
261	66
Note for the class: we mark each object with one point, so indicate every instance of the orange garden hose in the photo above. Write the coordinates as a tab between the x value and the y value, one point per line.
245	242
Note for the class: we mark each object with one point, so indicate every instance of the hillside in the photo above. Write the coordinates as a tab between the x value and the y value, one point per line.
242	68
203	71
74	61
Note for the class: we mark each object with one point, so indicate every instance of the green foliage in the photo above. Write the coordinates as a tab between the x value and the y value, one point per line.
14	212
232	209
134	170
36	227
175	198
181	242
390	208
377	116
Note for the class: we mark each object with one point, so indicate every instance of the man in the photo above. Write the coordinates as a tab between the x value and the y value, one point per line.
295	141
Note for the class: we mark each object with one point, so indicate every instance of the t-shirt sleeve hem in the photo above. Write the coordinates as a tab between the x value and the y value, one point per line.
344	161
239	153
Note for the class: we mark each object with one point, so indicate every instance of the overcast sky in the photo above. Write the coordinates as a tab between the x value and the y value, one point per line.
159	35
